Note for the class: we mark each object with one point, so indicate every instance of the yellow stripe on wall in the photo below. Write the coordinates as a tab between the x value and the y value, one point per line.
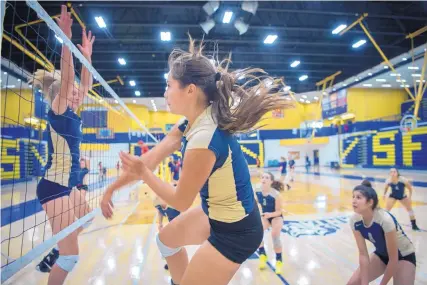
315	140
94	146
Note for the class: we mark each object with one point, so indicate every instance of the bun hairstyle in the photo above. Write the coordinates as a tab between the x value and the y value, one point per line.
279	186
366	183
368	192
48	82
236	108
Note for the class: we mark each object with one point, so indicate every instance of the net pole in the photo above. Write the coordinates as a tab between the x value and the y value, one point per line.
76	52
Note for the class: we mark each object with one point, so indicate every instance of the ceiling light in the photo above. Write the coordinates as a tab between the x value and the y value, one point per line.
344	84
367	85
386	85
338	29
413	67
227	17
132	83
211	7
316	98
301	100
5	72
416	75
165	36
31	86
19	80
207	25
395	74
137	93
404	85
418	81
270	39
250	6
100	21
334	89
359	43
308	102
59	39
295	63
166	76
404	59
385	66
10	86
400	80
303	96
133	101
380	80
356	79
241	26
122	61
302	78
370	74
115	101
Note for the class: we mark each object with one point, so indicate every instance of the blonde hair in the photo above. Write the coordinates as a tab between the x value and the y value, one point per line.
236	107
48	82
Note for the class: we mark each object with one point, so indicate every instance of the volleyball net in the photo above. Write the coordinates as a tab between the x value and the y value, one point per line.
31	45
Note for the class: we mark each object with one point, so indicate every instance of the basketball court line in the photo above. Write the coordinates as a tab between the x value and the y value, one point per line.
280	276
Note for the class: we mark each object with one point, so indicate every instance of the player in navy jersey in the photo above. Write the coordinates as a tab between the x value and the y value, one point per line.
164	211
394	254
398	184
284	172
227	225
291	168
268	197
54	190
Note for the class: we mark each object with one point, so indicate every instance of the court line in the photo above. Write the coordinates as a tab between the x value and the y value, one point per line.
281	277
12	268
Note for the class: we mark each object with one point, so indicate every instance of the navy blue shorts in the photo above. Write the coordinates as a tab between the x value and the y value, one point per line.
48	191
398	196
239	240
410	257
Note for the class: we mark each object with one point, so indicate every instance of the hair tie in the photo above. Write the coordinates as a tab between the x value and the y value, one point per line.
217	76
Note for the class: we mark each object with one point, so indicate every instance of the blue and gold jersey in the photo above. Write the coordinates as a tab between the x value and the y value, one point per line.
397	189
268	202
64	138
227	195
382	223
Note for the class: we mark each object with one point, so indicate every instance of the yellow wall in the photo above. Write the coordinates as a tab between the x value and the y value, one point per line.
370	104
292	117
161	118
14	107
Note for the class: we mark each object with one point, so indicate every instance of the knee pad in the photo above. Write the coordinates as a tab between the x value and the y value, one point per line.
277	242
67	262
165	250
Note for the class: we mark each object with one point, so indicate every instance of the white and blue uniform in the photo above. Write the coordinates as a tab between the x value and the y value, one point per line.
227	195
63	166
384	222
397	189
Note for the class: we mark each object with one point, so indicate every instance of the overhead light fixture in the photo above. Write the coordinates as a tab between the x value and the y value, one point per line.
367	85
416	75
356	79
302	78
122	61
338	29
207	25
324	93
165	36
380	80
395	74
100	21
10	86
227	17
270	39
404	85
134	101
370	74
115	101
358	44
250	6
166	76
241	26
385	66
386	85
344	84
301	100
137	93
59	39
307	101
31	86
316	98
211	7
132	83
295	63
404	59
418	81
400	80
334	89
19	80
413	67
304	96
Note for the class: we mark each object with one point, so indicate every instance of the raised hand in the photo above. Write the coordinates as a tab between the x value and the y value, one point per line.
65	21
87	44
133	166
